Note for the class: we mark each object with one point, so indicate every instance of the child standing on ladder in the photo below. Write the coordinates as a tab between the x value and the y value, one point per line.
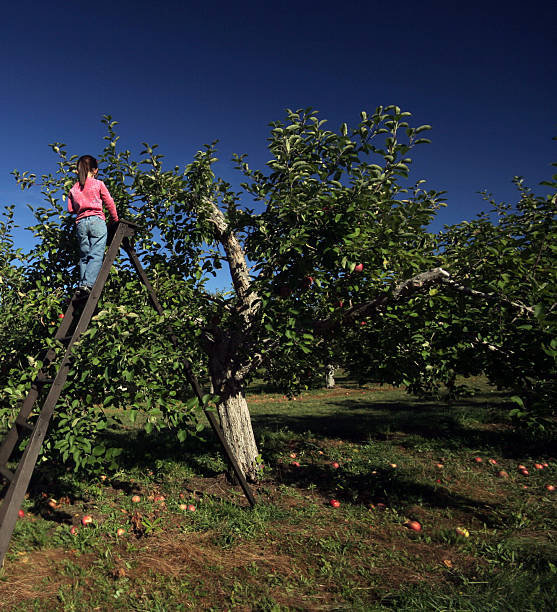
86	199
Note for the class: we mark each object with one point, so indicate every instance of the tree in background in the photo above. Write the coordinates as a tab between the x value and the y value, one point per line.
330	261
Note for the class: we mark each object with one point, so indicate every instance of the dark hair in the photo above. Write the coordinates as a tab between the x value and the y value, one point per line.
85	164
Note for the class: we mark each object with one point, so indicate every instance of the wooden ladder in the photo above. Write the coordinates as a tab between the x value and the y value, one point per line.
73	325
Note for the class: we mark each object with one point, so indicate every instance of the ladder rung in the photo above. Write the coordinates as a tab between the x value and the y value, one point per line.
8	474
24	425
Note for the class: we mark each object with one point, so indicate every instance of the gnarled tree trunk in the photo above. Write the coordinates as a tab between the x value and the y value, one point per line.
236	425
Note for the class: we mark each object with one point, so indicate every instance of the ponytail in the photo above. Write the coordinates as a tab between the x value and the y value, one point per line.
85	164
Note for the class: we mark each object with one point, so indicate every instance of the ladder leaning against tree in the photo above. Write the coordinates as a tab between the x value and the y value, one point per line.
73	325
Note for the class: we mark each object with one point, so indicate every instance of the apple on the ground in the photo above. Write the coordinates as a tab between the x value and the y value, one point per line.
413	525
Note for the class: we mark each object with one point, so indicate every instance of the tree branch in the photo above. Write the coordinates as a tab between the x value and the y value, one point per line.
239	272
402	291
492	297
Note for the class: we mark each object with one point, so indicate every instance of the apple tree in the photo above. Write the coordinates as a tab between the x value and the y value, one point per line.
327	248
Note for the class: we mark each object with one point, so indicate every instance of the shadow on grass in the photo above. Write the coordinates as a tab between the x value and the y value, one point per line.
456	426
393	489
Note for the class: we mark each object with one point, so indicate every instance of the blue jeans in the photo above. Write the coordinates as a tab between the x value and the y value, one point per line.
91	233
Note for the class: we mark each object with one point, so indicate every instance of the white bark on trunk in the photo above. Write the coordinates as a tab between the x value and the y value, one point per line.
330	376
236	425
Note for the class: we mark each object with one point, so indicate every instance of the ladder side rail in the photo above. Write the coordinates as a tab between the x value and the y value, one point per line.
215	426
22	476
11	439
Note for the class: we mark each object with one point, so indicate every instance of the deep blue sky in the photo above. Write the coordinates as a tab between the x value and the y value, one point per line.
182	74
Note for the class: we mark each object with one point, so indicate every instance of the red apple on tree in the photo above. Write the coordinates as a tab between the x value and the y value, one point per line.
20	513
359	267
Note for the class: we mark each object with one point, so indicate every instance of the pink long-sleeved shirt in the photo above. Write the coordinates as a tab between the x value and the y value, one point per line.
89	200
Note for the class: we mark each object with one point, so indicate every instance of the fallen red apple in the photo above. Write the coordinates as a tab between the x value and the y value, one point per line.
20	513
87	520
158	498
463	532
335	503
524	472
393	465
191	508
73	529
136	499
335	465
120	532
550	487
478	459
538	466
359	267
439	465
295	463
293	455
492	461
521	467
52	503
545	464
503	474
413	525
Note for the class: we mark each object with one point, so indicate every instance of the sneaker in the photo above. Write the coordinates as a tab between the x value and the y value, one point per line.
83	290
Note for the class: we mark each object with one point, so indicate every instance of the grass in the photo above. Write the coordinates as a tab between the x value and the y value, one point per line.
294	551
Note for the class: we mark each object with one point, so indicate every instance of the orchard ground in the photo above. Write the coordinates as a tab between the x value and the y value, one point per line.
191	541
